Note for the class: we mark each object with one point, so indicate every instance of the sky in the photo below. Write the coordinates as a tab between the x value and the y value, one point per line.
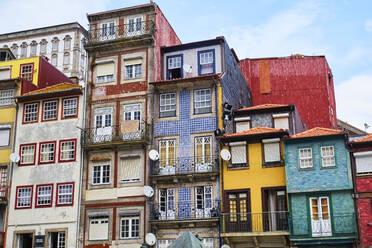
339	29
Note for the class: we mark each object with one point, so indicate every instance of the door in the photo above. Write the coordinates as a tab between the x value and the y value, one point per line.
239	218
167	150
131	125
134	26
166	204
274	208
203	201
320	216
203	154
103	125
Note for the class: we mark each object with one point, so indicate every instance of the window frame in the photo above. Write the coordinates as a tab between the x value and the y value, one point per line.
334	156
5	98
272	163
72	194
54	152
168	93
133	71
32	71
299	158
60	160
17	199
20	154
101	174
63	106
240	165
66	61
90	219
130	226
43	110
6	128
24	113
213	63
211	101
167	65
37	195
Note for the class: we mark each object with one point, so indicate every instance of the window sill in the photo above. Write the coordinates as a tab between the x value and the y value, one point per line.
241	166
328	167
272	164
130	182
136	238
306	169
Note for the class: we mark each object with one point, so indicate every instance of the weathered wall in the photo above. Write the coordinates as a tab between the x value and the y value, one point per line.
303	81
365	218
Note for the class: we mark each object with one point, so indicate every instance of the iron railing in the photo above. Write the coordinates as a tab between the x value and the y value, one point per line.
185	210
185	165
125	31
3	193
255	222
323	225
127	131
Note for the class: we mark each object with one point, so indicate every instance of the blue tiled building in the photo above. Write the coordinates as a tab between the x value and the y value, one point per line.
319	186
187	108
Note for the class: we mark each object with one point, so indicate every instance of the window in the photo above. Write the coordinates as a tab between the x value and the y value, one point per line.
23	50
4	135
132	112
44	195
134	26
167	105
129	227
25	240
320	216
3	182
69	107
203	153
202	101
6	97
101	174
47	152
271	149
27	72
67	43
105	71
203	201
164	243
54	59
24	197
57	240
108	30
98	227
130	169
208	242
167	150
281	121
238	154
14	49
328	156
50	110
133	71
27	153
242	124
31	111
103	120
206	62
43	46
33	48
55	43
167	204
306	158
363	162
174	67
67	149
65	194
66	58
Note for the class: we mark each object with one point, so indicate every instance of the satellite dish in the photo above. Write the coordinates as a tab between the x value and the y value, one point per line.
148	191
14	157
187	68
150	239
154	155
225	246
225	154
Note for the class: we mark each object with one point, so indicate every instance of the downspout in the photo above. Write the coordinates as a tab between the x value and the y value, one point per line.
355	195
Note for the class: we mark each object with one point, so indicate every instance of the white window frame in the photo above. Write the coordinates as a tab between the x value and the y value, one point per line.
50	113
100	178
5	140
27	72
239	145
174	62
33	50
61	239
131	225
70	107
63	150
133	179
133	71
31	112
54	60
45	150
272	141
31	155
203	100
108	30
43	48
44	195
134	25
62	200
67	43
303	160
167	159
99	220
27	197
66	58
327	157
55	44
167	104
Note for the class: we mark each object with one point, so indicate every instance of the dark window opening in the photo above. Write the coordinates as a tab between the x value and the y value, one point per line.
25	240
175	73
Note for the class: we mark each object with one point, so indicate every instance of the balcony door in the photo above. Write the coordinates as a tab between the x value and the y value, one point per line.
131	125
274	209
166	204
103	125
203	201
167	151
320	216
238	218
203	154
134	26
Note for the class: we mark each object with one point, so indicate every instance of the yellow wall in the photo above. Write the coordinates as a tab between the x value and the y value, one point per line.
255	177
16	64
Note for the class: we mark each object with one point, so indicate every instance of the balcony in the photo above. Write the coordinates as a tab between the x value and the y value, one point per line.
185	169
185	214
125	32
3	194
129	133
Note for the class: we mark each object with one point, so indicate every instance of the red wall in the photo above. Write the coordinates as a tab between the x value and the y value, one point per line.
164	36
300	80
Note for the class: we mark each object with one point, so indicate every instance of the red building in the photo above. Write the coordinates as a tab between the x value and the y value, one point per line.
305	81
361	160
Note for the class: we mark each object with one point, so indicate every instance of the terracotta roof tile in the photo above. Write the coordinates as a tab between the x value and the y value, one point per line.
254	131
263	106
317	131
53	88
366	138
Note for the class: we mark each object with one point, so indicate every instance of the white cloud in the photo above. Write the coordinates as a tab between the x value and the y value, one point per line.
353	101
368	25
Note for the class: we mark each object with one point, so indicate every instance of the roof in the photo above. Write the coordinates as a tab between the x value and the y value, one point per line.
255	131
367	138
350	129
53	88
316	132
185	79
187	239
119	10
192	45
295	56
263	106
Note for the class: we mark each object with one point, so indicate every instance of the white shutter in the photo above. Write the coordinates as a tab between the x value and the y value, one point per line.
5	73
105	69
98	229
132	62
4	137
241	126
363	161
281	122
238	153
130	169
272	151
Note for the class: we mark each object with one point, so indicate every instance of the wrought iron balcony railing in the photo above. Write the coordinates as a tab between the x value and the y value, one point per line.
3	193
255	222
133	130
125	31
184	165
185	210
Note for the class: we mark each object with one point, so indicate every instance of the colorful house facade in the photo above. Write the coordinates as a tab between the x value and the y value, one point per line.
361	160
255	211
319	186
197	79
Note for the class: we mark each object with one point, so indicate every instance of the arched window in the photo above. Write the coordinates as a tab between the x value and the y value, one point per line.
67	43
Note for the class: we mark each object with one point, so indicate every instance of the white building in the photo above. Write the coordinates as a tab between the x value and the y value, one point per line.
61	44
44	202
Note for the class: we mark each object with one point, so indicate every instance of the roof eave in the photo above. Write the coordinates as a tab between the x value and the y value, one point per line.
75	91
